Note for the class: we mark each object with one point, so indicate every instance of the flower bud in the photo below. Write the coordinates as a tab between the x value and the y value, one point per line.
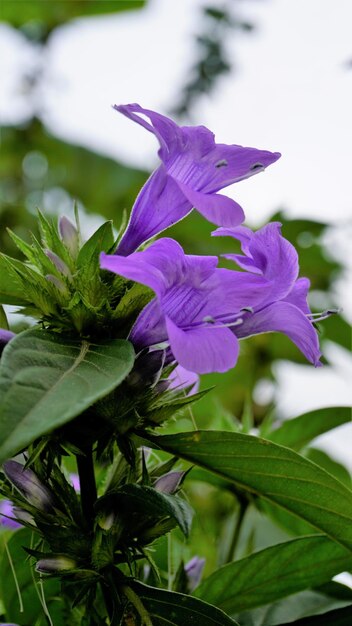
60	286
59	263
169	483
55	565
194	570
5	337
69	235
28	484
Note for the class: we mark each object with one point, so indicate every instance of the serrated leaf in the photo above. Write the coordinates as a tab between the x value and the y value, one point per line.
273	472
299	431
47	379
274	573
169	608
11	287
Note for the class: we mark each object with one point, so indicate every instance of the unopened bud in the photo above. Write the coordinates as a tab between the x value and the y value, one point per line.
28	484
69	235
59	263
107	521
55	565
5	337
58	284
194	570
169	483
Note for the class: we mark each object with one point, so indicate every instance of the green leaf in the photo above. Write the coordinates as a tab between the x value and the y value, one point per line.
141	506
274	573
168	608
330	465
101	241
297	432
271	471
338	617
27	581
11	287
3	319
47	379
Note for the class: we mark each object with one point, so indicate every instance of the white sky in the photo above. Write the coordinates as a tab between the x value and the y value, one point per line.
291	92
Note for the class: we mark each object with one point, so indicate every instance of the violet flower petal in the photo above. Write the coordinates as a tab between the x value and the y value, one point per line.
286	318
203	350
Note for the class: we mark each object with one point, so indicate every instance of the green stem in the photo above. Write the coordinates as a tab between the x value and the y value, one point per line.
87	483
237	529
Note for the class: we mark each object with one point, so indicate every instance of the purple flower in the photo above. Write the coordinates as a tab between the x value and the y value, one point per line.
194	305
170	482
193	168
7	515
268	254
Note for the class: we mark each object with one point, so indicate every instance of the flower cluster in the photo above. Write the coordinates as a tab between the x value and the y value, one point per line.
200	311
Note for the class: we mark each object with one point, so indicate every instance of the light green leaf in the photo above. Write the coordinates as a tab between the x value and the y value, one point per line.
299	431
273	472
47	379
101	241
11	287
168	608
274	573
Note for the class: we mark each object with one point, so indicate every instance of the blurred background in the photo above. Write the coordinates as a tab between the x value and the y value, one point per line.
273	74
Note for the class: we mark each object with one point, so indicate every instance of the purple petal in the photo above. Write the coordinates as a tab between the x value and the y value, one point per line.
298	295
203	350
285	318
216	208
157	267
149	328
169	483
194	570
159	204
270	253
181	378
7	514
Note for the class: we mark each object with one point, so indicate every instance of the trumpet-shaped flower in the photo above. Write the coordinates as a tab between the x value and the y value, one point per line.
268	254
196	304
193	168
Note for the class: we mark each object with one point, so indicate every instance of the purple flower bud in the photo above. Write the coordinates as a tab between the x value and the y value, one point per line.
59	263
5	337
3	624
28	484
7	513
69	235
194	570
58	284
55	564
75	481
169	483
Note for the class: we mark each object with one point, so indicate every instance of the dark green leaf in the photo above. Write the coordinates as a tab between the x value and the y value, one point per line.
168	608
140	506
27	581
47	379
330	465
271	471
274	573
297	432
3	319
